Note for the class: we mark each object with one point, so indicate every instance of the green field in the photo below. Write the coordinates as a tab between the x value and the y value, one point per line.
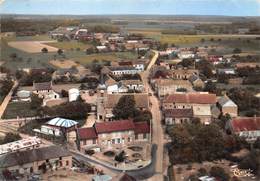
21	109
39	60
84	60
70	45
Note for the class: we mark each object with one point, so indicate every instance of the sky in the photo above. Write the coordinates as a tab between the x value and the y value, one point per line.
160	7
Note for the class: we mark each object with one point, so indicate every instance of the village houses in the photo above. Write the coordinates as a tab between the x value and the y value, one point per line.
165	87
199	102
36	160
246	127
107	134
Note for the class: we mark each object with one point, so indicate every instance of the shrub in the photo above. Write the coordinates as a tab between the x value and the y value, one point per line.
120	157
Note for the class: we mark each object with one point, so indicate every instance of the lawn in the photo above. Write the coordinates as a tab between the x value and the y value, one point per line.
70	45
21	109
190	39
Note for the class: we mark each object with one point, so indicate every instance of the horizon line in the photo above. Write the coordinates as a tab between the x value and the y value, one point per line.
129	14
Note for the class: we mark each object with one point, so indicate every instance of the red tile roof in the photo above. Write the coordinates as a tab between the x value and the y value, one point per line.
87	133
178	113
245	124
195	98
114	126
142	127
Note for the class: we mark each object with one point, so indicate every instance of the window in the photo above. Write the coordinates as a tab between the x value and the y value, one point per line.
129	139
60	158
84	142
118	140
113	141
144	136
67	162
94	141
136	136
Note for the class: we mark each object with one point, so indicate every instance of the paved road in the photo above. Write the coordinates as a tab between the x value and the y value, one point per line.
157	131
7	99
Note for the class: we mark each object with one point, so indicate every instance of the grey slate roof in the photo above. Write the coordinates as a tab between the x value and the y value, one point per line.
29	156
42	86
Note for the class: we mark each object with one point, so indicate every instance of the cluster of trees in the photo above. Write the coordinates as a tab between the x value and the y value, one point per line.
126	109
179	32
246	101
196	143
251	75
205	67
97	65
71	110
27	79
5	87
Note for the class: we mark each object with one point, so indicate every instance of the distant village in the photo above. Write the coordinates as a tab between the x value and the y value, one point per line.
130	114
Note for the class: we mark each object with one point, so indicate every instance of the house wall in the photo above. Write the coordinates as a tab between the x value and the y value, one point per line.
65	162
142	137
109	139
89	142
171	121
176	106
249	135
232	111
170	89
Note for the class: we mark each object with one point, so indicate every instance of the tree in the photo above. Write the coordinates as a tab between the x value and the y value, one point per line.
13	56
195	143
219	173
36	102
64	93
237	50
125	108
210	86
90	50
60	51
19	74
44	50
120	157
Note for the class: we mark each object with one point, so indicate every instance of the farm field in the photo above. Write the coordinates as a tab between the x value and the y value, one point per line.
21	109
31	46
42	60
70	45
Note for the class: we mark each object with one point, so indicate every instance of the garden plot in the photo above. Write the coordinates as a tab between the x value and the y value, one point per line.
32	46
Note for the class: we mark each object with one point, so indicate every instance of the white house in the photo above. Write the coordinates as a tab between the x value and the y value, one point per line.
123	70
44	90
73	94
117	88
186	54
